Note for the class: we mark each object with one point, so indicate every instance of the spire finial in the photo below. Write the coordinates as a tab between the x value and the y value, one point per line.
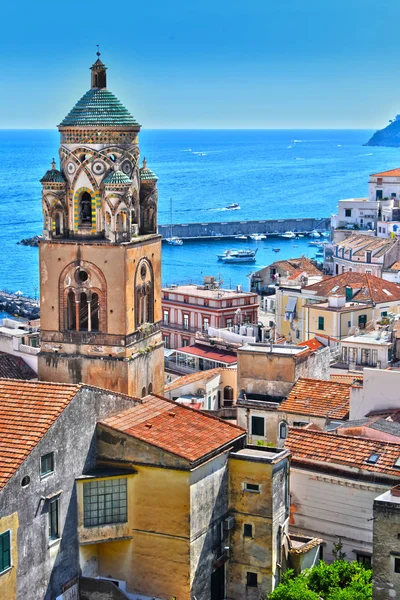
144	163
53	164
98	50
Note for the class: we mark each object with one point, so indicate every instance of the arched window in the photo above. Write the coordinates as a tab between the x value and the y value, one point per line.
71	311
94	312
228	392
108	224
85	210
83	312
150	388
58	220
144	294
283	430
143	392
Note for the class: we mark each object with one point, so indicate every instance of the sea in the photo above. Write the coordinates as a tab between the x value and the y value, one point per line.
269	173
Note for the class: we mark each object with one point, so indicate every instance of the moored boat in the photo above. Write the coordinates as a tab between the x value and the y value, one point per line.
174	241
257	237
289	235
242	254
240	257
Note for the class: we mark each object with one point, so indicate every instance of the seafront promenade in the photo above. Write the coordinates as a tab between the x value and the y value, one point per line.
229	229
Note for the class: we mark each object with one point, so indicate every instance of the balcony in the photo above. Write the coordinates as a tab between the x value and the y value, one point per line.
28	349
179	327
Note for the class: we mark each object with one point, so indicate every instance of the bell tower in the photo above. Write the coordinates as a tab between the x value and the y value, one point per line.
100	259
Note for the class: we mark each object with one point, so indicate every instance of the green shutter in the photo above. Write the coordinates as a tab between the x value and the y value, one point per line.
5	551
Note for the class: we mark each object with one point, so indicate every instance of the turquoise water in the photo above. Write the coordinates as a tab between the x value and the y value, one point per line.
270	173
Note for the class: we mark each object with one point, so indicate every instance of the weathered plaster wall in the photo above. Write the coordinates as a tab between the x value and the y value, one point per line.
386	583
8	579
44	567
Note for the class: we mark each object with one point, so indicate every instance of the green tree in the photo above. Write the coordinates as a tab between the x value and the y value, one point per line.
340	580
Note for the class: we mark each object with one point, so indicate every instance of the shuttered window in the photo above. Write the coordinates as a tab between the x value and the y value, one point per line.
5	551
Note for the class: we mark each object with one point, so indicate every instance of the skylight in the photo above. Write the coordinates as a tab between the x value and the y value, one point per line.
387	292
335	289
397	463
373	459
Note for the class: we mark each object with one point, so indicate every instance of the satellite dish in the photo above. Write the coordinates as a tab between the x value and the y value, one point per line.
200	392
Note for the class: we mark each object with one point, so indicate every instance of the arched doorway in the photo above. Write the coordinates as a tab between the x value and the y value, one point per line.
85	210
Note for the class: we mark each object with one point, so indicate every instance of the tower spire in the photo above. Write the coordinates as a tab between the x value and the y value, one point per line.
98	68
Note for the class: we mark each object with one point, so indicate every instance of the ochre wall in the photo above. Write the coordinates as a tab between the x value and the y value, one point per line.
156	560
8	579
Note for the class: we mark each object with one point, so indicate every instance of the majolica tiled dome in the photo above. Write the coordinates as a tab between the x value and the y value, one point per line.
147	174
53	175
117	177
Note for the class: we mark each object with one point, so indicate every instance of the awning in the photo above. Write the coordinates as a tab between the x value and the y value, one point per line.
291	305
168	352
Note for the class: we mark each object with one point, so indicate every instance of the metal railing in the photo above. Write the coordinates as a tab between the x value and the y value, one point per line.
179	327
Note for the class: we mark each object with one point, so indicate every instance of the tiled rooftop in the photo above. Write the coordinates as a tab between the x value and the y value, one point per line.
312	344
117	177
210	353
53	176
175	428
99	108
14	367
27	411
343	450
294	266
391	173
318	398
193	378
365	287
359	244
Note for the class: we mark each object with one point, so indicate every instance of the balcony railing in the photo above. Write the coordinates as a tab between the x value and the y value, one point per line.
28	349
179	327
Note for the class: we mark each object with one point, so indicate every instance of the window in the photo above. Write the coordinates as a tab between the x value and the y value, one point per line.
247	530
104	502
368	257
362	321
228	395
185	321
364	559
206	303
229	322
257	426
185	342
347	212
85	210
186	299
5	551
397	564
297	334
143	392
384	313
368	272
47	464
150	388
166	317
251	579
54	532
372	459
252	487
283	430
320	322
206	323
166	341
299	423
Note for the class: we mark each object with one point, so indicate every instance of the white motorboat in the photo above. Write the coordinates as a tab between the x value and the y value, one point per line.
233	206
237	253
240	237
315	234
257	237
241	256
325	234
174	241
289	235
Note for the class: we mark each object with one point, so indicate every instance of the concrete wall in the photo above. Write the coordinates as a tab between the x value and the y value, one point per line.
232	228
44	566
329	507
386	583
380	390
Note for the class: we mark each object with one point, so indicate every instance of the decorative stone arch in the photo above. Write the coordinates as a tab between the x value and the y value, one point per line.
121	217
85	168
94	287
149	216
144	293
95	204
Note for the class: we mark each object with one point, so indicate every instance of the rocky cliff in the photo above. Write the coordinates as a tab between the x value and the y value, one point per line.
389	136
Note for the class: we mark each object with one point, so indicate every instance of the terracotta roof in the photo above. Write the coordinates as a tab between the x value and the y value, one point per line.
192	378
175	428
395	266
312	344
365	287
352	452
296	266
14	367
210	353
391	173
346	378
318	398
27	411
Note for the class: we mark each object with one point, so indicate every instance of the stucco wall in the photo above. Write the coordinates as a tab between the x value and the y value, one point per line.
44	567
386	583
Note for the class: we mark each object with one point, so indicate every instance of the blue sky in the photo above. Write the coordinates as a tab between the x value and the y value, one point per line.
205	64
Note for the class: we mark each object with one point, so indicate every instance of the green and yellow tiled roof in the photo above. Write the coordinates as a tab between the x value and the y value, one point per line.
99	108
53	176
147	174
117	177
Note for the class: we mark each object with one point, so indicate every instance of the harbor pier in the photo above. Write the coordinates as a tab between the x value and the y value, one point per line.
230	229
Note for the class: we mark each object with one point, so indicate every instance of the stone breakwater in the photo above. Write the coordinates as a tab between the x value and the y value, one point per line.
33	241
19	306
